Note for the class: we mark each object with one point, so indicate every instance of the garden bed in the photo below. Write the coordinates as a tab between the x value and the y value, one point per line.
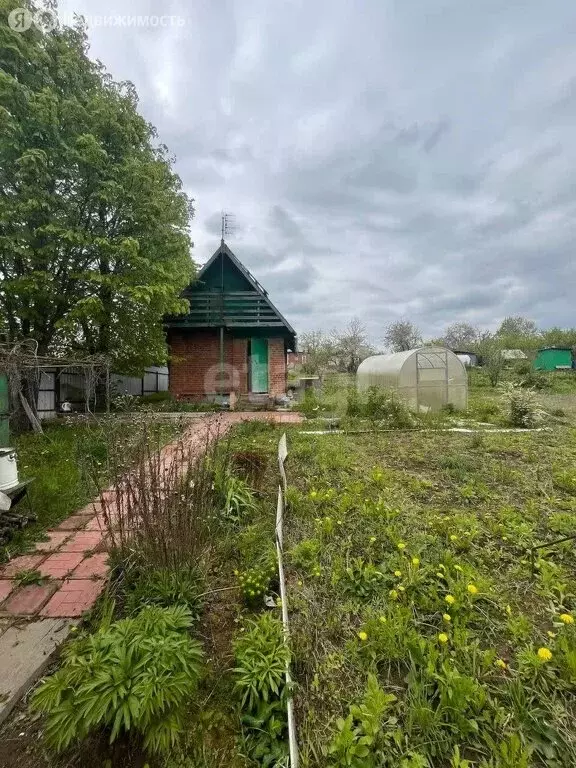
420	636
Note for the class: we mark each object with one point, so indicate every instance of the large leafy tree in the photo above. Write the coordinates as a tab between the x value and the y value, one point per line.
461	336
94	245
402	336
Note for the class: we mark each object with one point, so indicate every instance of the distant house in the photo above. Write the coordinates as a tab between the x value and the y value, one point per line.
296	359
513	354
232	341
469	359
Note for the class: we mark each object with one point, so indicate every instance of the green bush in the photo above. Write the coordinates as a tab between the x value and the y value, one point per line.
165	588
309	405
261	657
135	675
380	405
156	397
521	406
256	582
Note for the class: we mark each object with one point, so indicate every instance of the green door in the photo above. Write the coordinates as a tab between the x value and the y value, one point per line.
259	365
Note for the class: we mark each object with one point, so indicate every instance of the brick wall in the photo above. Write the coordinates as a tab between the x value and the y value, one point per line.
276	367
195	365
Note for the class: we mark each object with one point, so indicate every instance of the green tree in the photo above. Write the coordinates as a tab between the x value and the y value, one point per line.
462	336
402	336
94	244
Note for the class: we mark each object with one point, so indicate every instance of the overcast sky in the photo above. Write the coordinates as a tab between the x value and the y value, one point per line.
385	158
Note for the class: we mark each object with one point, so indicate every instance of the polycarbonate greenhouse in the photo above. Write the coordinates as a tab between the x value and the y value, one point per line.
427	378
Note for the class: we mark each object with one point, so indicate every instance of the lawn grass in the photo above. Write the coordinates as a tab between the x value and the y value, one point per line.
382	530
63	462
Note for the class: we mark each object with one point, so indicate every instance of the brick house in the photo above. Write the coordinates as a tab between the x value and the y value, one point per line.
233	341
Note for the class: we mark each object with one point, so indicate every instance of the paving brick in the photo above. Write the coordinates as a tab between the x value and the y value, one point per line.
6	586
92	567
55	539
58	565
84	541
73	598
22	563
74	523
28	600
96	524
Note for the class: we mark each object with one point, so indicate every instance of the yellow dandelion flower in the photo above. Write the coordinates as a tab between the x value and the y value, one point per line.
313	494
446	617
450	599
566	618
544	654
415	561
393	594
472	588
453	537
500	663
372	539
382	619
401	545
363	636
397	574
442	637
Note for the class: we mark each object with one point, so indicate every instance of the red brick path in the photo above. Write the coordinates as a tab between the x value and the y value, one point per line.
73	561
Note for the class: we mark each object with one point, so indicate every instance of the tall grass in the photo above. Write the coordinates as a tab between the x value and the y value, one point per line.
161	507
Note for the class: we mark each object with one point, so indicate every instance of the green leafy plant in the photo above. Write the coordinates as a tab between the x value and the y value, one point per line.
29	576
256	582
360	734
133	675
236	497
261	657
166	588
360	578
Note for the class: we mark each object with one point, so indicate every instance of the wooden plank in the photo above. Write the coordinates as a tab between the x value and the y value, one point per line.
25	652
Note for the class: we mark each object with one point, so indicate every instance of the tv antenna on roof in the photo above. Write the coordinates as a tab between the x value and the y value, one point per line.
228	224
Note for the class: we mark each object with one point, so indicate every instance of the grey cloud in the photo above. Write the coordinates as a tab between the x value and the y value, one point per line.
413	159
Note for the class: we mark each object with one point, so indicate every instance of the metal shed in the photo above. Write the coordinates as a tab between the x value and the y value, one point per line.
552	358
427	378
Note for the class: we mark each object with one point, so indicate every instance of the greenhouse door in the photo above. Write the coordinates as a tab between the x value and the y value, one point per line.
259	365
432	379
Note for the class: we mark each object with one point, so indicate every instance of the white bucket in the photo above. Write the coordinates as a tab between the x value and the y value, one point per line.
8	468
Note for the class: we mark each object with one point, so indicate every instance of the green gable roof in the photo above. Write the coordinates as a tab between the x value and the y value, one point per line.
225	294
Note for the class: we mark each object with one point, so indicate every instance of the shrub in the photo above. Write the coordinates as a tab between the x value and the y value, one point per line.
380	405
261	658
521	406
310	405
256	582
165	588
533	379
353	404
133	675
